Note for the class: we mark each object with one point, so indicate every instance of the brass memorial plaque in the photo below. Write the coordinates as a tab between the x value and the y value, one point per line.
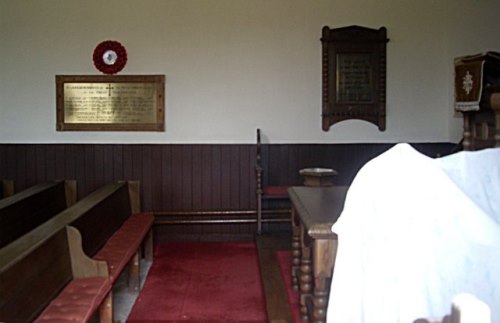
110	103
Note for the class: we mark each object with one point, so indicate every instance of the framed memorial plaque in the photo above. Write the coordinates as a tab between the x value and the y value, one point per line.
354	69
110	103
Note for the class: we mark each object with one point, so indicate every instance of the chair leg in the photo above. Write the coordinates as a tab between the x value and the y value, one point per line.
259	213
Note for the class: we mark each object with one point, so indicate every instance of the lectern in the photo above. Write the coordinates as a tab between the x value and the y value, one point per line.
477	97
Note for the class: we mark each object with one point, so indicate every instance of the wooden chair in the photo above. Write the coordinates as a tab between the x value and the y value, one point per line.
266	192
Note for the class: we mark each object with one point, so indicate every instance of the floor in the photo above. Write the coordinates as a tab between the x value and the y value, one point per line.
123	298
276	298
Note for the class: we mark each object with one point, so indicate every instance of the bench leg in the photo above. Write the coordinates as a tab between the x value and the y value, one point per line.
134	279
106	309
148	246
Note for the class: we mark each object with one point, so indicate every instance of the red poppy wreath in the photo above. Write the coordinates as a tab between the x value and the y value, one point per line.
110	57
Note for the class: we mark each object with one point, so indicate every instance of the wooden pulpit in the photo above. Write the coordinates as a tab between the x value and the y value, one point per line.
477	97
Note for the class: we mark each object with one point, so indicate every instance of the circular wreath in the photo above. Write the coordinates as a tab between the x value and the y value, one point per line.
110	57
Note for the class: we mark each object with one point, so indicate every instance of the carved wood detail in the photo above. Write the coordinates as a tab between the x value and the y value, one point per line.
354	75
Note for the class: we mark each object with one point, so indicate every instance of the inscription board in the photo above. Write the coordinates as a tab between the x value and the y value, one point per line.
354	78
354	73
117	103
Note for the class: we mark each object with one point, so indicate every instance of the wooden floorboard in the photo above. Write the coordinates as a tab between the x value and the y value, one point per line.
278	309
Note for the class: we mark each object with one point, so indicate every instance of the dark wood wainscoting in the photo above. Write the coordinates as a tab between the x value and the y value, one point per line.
188	177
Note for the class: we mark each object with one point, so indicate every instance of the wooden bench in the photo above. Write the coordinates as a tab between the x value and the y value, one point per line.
105	226
24	211
43	266
112	230
6	188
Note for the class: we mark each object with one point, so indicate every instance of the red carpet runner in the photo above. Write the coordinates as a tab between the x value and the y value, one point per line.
202	282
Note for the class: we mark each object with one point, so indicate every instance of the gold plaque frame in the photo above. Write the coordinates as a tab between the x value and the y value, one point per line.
110	102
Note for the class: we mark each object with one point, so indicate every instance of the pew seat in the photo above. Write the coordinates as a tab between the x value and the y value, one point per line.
78	301
122	248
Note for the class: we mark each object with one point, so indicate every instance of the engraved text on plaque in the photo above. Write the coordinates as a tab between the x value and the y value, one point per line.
354	78
109	103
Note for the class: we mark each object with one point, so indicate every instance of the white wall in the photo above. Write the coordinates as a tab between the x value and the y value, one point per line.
235	65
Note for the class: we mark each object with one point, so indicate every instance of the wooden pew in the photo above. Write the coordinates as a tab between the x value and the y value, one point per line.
114	230
7	188
104	225
39	267
24	211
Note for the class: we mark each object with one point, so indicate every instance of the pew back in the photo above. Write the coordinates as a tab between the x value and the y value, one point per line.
6	188
33	270
24	211
98	215
97	224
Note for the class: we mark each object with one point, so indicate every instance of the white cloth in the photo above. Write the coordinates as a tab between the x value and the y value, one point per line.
477	174
410	238
472	309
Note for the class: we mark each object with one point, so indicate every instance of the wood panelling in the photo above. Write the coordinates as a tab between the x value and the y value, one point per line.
192	177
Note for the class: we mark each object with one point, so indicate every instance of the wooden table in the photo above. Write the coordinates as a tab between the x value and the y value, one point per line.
314	245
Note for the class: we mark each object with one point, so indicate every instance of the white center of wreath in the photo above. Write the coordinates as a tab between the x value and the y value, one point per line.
109	57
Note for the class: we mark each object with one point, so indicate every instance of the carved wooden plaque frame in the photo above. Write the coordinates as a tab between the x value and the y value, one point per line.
110	102
354	75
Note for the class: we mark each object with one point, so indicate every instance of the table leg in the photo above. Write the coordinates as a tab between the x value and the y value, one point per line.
324	253
306	277
296	254
320	300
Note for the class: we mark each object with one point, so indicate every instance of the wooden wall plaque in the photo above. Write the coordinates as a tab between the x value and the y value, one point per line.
354	73
110	102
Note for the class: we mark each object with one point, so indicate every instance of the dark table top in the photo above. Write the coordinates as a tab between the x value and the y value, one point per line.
318	207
